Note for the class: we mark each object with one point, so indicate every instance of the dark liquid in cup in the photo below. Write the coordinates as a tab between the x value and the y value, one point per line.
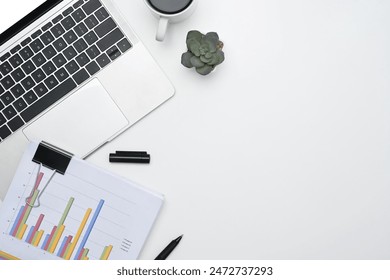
170	6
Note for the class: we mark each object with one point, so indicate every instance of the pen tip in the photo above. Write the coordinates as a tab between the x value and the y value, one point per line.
179	238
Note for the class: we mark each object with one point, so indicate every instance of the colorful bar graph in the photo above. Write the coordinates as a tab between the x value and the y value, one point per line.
89	229
66	245
37	238
13	229
50	238
45	241
78	234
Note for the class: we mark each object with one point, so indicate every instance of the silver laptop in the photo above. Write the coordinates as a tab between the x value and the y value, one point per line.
73	74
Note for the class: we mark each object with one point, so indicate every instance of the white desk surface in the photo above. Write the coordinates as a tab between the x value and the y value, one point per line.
283	151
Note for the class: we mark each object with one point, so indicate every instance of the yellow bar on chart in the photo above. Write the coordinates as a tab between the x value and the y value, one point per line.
77	236
57	237
85	253
21	231
37	238
106	252
6	256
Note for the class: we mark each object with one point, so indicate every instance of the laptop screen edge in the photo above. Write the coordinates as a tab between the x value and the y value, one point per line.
27	20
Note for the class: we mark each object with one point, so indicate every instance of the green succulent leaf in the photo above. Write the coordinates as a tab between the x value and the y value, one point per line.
205	70
210	44
218	58
212	35
194	46
186	59
196	62
194	34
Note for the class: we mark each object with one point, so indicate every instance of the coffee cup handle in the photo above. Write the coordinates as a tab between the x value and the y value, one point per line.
162	29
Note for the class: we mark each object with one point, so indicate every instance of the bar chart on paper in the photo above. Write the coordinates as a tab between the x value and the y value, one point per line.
69	217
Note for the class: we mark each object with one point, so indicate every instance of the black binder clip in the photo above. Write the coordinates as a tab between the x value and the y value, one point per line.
50	157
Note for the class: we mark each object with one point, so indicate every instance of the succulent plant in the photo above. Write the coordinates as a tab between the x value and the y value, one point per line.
204	52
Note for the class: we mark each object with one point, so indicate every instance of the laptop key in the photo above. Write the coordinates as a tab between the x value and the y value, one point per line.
82	59
47	38
78	4
90	38
15	49
72	67
38	60
46	26
57	19
103	60
36	34
124	45
93	52
60	44
5	68
18	75
47	100
91	6
9	112
49	68
28	83
15	123
30	97
81	29
26	53
38	76
78	15
36	45
102	14
2	90
59	60
81	76
28	67
57	30
20	105
68	22
91	21
70	37
92	68
105	27
7	82
110	40
80	45
5	57
68	11
61	74
70	52
16	60
4	132
26	41
41	89
51	82
49	52
17	91
7	98
113	53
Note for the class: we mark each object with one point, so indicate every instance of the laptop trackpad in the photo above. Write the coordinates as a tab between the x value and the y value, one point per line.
81	123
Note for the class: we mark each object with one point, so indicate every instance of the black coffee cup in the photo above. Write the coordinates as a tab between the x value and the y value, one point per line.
170	11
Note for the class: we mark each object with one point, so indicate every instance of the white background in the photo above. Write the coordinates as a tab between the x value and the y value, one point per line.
282	152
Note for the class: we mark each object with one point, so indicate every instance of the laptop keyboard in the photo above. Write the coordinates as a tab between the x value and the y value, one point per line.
56	59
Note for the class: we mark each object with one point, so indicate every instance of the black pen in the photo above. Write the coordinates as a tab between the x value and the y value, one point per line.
165	253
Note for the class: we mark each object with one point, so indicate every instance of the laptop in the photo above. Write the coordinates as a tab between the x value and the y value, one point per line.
73	74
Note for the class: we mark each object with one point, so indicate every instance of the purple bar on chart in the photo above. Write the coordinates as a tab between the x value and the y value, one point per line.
50	238
30	234
36	227
45	241
89	229
17	220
